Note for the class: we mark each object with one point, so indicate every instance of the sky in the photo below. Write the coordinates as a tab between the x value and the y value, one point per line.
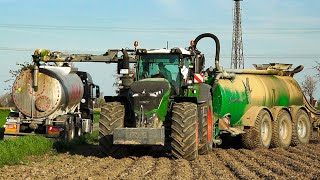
284	31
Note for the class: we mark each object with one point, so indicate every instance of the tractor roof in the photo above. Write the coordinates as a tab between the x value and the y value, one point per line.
167	51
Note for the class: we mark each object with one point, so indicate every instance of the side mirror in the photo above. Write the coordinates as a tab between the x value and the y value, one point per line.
97	91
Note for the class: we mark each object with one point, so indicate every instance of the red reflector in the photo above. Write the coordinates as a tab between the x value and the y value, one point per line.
53	130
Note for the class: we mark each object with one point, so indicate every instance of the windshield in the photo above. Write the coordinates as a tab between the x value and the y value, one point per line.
159	65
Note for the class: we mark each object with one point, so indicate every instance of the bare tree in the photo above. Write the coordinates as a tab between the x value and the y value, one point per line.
15	73
6	100
309	86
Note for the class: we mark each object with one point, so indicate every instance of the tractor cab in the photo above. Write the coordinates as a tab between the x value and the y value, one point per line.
171	65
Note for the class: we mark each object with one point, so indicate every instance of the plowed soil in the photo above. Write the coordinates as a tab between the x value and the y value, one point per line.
300	162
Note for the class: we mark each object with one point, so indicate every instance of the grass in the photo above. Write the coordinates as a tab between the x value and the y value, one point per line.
13	151
3	114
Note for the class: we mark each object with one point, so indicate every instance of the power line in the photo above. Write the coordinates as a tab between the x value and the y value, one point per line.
155	29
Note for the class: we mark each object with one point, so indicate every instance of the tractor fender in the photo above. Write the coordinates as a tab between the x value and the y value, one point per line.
122	99
276	109
179	99
204	93
249	118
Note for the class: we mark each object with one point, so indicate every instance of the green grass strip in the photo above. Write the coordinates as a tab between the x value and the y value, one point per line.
13	151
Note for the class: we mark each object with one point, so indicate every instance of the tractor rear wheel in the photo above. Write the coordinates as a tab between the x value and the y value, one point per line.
259	135
301	128
205	128
111	117
184	131
281	130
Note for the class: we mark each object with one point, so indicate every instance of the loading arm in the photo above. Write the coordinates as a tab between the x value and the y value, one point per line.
111	56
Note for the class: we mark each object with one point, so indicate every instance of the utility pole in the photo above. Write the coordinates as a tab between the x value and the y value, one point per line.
237	61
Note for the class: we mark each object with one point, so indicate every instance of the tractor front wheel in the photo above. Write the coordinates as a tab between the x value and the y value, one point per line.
111	117
184	131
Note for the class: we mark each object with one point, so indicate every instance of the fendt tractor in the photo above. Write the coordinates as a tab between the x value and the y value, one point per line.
54	100
172	101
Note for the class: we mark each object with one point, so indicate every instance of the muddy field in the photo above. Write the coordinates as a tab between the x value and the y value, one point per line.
301	162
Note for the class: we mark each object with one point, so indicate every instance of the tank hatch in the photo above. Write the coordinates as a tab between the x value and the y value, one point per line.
274	66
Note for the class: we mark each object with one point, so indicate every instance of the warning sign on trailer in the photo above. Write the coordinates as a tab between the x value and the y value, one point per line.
198	78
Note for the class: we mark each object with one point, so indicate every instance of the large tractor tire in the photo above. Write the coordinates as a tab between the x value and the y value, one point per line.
281	130
301	128
111	117
184	131
259	135
205	128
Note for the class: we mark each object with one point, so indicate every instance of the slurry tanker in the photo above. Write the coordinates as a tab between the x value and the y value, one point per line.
52	100
172	101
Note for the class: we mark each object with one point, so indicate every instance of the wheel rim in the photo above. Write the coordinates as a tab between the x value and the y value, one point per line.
79	131
302	128
283	129
72	133
264	130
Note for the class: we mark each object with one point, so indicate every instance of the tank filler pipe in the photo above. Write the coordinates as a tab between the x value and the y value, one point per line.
35	78
216	40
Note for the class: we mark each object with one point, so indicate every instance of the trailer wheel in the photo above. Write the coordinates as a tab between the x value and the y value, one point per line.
281	130
206	128
184	131
259	135
69	130
111	117
301	128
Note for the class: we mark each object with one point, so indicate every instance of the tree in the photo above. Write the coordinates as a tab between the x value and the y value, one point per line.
15	73
309	86
6	100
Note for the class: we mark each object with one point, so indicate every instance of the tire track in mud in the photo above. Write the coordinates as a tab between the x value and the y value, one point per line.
218	169
270	164
235	166
181	170
298	156
253	165
203	168
290	164
309	151
110	168
139	169
300	152
162	169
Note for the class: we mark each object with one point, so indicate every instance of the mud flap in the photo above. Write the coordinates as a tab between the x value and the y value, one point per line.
139	136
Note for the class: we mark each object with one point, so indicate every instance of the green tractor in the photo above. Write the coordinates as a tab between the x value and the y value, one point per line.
167	103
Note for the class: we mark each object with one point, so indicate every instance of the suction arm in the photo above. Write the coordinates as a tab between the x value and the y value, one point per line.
216	40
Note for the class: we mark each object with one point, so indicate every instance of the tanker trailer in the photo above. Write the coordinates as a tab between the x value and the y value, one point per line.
54	101
266	105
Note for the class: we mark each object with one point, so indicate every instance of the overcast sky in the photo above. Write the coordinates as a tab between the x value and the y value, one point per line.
286	31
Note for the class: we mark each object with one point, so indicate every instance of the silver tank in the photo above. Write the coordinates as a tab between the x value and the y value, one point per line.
59	91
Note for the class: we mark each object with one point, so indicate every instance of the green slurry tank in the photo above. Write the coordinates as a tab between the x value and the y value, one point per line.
265	105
